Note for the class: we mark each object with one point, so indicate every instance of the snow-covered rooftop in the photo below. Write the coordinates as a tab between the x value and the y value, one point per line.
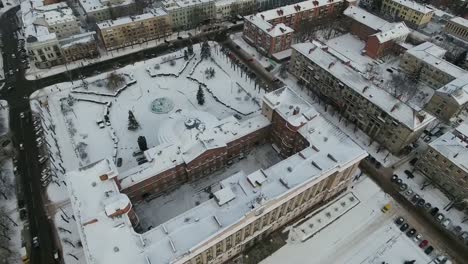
433	55
392	106
272	30
175	4
332	151
453	145
96	5
457	89
169	155
414	6
290	10
56	13
86	37
130	19
460	21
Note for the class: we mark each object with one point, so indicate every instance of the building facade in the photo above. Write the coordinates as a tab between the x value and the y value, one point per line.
457	27
81	46
414	14
271	31
246	209
133	30
426	63
381	116
445	162
101	10
189	14
226	9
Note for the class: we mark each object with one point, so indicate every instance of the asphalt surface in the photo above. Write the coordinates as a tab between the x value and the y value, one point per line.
17	91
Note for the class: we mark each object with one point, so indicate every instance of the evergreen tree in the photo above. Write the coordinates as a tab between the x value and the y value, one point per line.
132	122
186	57
200	96
205	51
190	49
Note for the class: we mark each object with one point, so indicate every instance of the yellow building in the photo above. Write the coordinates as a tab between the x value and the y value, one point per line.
132	30
458	27
414	14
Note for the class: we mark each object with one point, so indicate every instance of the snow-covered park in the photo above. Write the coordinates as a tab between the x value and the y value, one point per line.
88	120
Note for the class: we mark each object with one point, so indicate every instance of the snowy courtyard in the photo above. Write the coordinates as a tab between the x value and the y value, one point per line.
159	210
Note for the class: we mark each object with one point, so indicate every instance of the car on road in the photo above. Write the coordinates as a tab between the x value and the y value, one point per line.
35	242
13	56
400	220
404	227
429	250
423	243
409	174
439	217
22	115
411	232
21	146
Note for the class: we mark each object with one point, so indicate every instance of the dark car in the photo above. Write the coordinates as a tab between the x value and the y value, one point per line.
399	220
399	182
428	250
413	161
427	206
421	202
415	198
394	178
409	174
404	227
403	187
411	232
423	244
434	211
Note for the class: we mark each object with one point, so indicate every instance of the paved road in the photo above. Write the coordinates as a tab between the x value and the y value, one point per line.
418	217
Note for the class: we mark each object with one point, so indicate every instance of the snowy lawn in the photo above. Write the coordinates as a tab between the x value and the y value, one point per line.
363	234
189	195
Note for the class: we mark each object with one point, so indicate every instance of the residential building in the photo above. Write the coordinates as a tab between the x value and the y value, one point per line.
230	8
43	26
414	14
265	37
80	46
426	63
445	162
246	209
457	27
381	116
271	31
381	37
132	30
449	100
189	14
100	10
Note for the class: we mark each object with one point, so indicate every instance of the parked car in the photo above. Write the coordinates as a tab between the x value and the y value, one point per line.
409	174
434	211
442	260
399	182
394	178
404	227
415	198
446	222
399	220
463	236
429	250
413	161
421	202
417	238
439	217
427	206
403	187
457	230
386	208
411	232
423	244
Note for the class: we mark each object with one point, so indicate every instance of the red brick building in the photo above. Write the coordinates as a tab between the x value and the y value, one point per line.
381	36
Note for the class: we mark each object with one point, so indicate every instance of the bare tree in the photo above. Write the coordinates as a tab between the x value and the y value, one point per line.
403	86
114	81
7	253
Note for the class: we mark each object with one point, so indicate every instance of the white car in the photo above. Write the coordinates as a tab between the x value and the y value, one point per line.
21	146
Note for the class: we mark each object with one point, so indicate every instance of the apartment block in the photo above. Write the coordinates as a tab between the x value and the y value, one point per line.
132	30
271	31
414	14
80	46
189	14
230	8
381	36
381	116
426	63
446	162
101	10
246	209
457	27
449	100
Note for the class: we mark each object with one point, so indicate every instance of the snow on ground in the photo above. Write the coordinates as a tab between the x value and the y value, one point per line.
431	194
67	114
67	231
361	235
262	60
10	205
187	196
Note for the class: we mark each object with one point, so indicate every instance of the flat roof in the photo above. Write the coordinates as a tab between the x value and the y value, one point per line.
394	107
95	5
176	4
267	27
457	89
433	55
460	21
112	240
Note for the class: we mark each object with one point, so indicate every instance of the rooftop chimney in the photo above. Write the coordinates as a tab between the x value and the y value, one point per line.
296	110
